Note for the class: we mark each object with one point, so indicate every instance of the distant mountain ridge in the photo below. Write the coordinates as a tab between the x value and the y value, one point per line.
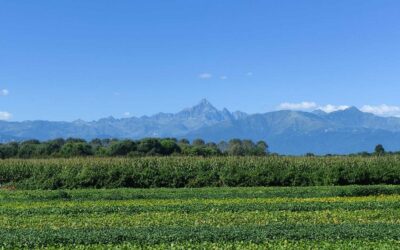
286	131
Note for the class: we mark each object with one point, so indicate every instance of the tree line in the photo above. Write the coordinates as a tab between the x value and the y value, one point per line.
74	147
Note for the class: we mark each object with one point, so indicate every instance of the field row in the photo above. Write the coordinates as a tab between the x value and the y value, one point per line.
272	244
177	234
209	218
200	193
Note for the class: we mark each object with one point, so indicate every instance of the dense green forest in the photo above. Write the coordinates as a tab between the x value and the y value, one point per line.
74	147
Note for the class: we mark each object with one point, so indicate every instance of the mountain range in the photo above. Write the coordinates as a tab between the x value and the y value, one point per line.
286	131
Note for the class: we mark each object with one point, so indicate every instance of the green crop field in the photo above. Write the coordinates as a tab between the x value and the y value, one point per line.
201	203
178	172
350	217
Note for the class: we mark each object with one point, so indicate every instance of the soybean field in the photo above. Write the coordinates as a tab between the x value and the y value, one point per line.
350	217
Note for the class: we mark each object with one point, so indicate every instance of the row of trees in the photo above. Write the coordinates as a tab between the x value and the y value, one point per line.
113	147
379	151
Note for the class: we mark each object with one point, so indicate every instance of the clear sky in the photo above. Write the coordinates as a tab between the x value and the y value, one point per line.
64	60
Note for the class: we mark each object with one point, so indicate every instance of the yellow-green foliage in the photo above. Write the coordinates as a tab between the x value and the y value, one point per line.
207	218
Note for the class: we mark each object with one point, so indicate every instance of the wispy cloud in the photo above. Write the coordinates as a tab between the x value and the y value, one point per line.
382	110
297	106
127	113
4	116
331	108
309	106
4	92
223	77
249	74
205	76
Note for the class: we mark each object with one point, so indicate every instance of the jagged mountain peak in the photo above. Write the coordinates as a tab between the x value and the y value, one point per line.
204	102
203	107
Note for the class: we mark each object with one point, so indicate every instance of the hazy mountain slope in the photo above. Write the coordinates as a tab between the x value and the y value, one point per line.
289	132
354	118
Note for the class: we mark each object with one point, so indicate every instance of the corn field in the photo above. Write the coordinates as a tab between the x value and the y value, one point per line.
179	172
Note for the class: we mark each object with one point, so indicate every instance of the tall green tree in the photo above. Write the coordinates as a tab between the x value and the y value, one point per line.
379	150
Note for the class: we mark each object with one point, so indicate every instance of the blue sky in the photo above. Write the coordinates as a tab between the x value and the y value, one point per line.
64	60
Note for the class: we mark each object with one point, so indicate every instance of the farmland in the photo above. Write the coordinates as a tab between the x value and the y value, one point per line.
200	203
206	218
